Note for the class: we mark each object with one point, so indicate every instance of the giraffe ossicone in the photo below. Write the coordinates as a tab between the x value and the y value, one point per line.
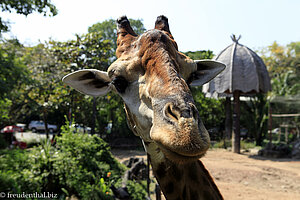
153	79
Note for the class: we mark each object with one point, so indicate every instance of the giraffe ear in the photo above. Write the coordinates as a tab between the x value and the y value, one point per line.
206	71
89	81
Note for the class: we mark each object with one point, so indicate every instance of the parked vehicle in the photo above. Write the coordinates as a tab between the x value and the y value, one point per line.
82	129
35	126
11	129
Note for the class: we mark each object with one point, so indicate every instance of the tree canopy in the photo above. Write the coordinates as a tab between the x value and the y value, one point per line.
108	29
25	7
31	86
283	63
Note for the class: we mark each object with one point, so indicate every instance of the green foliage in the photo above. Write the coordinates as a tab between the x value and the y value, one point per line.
13	75
136	190
220	144
91	50
5	105
109	30
26	7
285	84
12	68
283	63
246	145
211	111
78	165
12	164
3	142
254	116
198	55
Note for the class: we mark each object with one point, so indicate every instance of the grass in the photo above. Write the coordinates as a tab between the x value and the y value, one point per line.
245	145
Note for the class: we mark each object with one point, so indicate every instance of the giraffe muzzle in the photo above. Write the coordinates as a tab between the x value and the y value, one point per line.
178	130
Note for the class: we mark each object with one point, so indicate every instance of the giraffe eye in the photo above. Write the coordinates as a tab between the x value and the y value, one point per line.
120	84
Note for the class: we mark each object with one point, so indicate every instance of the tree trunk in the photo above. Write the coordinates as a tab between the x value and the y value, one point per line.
279	134
94	116
228	120
270	126
286	135
70	109
236	123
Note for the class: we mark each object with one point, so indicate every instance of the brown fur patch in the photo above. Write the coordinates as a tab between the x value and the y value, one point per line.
169	188
217	194
193	173
184	193
161	170
176	172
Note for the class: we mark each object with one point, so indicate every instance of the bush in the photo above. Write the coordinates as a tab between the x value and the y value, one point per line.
83	164
12	167
136	190
78	165
3	142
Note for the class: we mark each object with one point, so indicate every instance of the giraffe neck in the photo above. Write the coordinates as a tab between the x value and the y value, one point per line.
181	181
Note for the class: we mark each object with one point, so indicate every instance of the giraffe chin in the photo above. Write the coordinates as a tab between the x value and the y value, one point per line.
178	158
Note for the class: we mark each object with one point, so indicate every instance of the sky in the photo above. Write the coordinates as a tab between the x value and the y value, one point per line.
195	24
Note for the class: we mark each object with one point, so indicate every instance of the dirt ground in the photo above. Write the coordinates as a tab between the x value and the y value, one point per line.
246	176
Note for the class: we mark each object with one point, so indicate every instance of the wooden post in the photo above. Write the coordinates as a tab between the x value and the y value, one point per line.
279	134
270	126
236	123
286	134
228	119
94	116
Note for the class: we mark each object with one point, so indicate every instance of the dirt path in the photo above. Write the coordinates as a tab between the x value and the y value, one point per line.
245	176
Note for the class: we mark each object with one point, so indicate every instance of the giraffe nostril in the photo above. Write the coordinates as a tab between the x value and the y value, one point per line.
175	113
172	112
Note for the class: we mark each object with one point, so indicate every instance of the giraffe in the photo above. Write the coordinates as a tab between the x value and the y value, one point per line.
153	79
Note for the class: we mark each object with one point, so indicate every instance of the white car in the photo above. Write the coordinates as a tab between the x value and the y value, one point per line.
40	125
81	128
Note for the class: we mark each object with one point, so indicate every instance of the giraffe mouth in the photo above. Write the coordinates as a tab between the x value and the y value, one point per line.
177	157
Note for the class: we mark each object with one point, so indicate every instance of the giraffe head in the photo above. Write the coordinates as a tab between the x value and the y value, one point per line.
153	78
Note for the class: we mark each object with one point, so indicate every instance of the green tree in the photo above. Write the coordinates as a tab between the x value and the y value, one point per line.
89	50
283	63
211	110
13	75
45	86
254	117
25	7
12	69
109	108
198	55
108	29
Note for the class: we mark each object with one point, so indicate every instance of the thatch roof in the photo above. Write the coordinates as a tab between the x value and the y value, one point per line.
245	71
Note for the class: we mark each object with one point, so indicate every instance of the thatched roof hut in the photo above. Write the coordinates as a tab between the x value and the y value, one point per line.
245	74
